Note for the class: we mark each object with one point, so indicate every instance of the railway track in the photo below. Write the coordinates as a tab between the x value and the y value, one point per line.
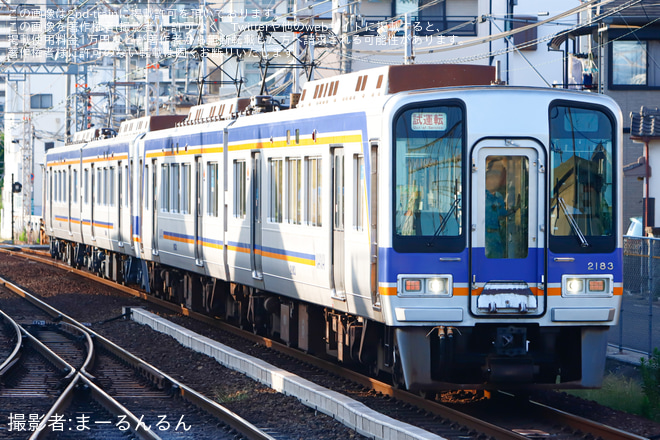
422	412
72	380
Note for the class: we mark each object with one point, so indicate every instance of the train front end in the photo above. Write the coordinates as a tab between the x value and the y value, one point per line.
502	263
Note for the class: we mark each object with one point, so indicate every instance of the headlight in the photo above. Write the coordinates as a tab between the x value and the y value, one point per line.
436	286
574	285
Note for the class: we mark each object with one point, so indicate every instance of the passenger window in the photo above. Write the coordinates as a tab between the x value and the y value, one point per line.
111	186
314	200
74	187
240	182
165	188
106	179
212	189
175	187
99	185
145	187
86	186
185	188
56	198
275	213
359	205
64	186
126	186
294	185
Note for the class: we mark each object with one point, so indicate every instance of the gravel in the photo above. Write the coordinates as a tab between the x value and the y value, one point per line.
93	303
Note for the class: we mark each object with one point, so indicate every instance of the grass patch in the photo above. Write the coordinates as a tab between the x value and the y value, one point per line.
620	393
236	396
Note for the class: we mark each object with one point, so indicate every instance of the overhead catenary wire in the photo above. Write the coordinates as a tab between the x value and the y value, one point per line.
424	51
488	54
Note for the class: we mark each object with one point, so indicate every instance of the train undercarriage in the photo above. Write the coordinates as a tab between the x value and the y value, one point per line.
425	358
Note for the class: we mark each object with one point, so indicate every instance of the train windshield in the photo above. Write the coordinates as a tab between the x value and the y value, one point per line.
582	180
428	154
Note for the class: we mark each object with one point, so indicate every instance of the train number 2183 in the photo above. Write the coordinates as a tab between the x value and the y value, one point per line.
602	265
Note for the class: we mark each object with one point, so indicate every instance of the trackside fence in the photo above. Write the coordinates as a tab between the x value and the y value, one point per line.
639	325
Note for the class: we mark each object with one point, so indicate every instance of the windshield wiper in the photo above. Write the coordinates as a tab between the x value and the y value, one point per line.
572	222
444	222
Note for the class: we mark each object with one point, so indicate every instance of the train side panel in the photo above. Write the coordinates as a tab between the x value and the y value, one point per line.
422	234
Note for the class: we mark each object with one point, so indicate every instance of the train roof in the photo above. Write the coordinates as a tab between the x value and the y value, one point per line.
148	123
388	80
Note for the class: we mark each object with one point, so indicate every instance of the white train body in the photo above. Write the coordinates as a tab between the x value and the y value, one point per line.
355	223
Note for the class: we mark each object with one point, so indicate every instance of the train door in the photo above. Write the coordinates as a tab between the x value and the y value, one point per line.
154	208
338	273
120	203
199	214
92	201
507	241
143	200
69	197
50	173
255	223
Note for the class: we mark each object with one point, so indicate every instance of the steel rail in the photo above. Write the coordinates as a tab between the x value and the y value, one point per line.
48	354
598	430
229	418
14	356
75	378
378	386
107	401
438	409
89	359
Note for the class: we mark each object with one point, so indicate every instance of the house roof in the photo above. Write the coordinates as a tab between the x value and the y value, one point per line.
646	123
640	13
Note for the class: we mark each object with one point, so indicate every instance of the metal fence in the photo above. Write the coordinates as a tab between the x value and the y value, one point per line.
639	326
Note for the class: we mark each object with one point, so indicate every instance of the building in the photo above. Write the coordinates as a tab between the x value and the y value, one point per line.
106	65
645	130
619	56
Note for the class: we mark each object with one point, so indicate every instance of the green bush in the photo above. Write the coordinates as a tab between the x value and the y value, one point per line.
618	392
651	385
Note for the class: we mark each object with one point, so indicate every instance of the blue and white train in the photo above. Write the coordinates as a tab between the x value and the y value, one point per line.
412	219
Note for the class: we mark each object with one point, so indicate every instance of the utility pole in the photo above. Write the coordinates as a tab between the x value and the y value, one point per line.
12	208
348	27
409	35
26	155
147	19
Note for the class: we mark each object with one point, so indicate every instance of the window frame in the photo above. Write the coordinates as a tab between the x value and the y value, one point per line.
294	213
99	185
110	186
175	186
652	74
186	169
314	191
359	197
212	189
275	190
240	188
597	244
39	99
165	187
443	244
74	186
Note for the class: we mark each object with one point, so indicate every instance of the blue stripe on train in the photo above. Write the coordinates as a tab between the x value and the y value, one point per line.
392	263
